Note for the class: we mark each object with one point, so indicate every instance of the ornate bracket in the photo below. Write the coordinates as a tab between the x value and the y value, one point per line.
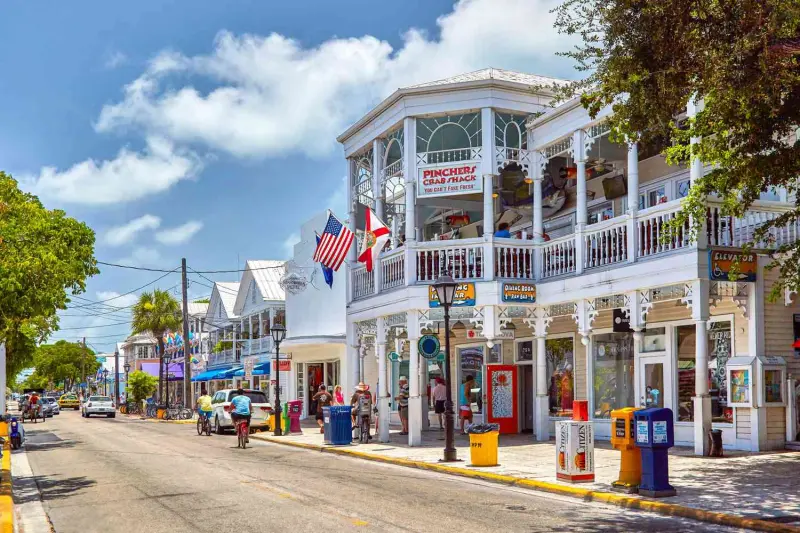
539	320
585	313
477	320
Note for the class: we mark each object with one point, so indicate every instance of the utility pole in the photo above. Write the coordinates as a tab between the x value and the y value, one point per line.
116	377
83	366
187	349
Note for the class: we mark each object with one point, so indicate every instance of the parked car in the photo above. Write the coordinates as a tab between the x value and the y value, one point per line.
69	401
98	405
221	418
53	402
47	408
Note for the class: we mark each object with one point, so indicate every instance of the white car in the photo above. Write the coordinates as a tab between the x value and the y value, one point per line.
98	405
53	405
221	420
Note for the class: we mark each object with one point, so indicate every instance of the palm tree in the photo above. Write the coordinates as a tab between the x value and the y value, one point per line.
157	312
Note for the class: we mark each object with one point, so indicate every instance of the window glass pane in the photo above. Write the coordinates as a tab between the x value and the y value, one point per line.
496	353
655	340
471	364
612	360
719	351
772	386
656	196
525	351
560	375
683	188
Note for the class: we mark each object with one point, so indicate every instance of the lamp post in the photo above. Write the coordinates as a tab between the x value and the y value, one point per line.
127	368
445	290
105	381
278	334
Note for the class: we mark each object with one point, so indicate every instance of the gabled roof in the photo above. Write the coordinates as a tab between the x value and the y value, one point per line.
265	277
494	74
227	291
197	309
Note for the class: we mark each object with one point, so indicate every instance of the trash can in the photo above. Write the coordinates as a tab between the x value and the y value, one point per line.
483	441
623	438
340	425
326	425
294	413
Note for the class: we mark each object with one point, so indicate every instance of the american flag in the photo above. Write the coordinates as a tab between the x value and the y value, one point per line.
334	243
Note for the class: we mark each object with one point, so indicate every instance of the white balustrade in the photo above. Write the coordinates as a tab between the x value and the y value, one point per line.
558	257
393	269
605	243
723	230
513	259
363	283
654	234
455	155
463	259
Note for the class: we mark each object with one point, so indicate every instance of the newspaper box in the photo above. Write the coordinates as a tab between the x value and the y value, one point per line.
574	451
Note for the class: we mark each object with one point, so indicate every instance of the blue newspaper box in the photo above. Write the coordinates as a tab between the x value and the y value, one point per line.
341	425
327	426
655	435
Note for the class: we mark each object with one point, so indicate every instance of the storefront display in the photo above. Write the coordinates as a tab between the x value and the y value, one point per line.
470	361
719	352
613	369
560	375
771	377
740	381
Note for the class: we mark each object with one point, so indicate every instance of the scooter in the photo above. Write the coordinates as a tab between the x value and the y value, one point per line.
15	434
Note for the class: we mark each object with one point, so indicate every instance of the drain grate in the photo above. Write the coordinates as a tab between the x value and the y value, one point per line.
516	508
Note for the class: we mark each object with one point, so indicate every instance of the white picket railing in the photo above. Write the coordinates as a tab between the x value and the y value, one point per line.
393	269
558	257
606	243
363	283
651	228
221	358
736	232
514	259
463	259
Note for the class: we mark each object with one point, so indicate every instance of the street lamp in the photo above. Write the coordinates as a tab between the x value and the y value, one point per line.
127	368
445	290
278	334
105	381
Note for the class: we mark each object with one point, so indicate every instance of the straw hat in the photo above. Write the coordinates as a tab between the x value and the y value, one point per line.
362	386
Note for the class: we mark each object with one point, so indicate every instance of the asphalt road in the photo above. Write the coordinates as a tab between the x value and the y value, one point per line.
131	476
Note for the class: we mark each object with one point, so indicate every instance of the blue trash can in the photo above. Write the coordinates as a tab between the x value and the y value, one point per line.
341	425
326	425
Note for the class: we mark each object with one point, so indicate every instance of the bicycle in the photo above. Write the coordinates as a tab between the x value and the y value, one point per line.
361	429
151	411
203	424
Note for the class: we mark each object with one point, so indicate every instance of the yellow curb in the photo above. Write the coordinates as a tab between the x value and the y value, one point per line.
170	421
620	500
6	499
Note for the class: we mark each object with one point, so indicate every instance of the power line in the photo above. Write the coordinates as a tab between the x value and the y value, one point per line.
195	271
136	268
94	327
127	293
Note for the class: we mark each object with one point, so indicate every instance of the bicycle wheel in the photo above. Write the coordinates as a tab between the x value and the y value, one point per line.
207	425
200	427
364	430
186	414
242	437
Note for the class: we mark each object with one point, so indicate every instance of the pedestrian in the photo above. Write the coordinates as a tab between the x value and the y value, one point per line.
402	403
465	411
338	397
439	397
503	231
323	399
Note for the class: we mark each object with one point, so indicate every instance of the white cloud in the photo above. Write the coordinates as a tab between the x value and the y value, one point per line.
271	95
116	300
124	234
129	176
115	59
180	234
337	201
289	242
142	256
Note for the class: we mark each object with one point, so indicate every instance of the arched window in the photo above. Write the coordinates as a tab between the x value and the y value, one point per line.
448	137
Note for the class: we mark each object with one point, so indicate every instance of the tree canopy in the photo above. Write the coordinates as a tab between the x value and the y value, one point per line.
45	256
64	363
157	312
739	59
141	385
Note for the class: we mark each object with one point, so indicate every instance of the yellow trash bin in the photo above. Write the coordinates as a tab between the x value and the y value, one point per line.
623	438
160	413
483	448
3	429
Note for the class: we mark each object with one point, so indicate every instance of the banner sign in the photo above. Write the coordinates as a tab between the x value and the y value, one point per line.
393	356
428	346
720	263
284	366
521	293
499	335
621	322
464	296
248	369
449	179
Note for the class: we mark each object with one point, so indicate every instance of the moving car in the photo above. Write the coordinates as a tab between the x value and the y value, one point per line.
47	407
98	405
53	402
69	401
221	418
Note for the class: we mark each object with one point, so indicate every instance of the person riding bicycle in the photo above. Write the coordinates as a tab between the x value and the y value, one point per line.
241	408
361	404
204	405
34	405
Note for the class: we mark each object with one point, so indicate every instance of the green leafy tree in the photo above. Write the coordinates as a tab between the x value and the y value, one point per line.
740	60
44	254
65	362
141	385
157	312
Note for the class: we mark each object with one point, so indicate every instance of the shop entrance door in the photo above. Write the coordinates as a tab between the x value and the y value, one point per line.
502	397
654	382
526	398
315	378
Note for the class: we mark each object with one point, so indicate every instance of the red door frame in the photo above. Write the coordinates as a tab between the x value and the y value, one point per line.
508	424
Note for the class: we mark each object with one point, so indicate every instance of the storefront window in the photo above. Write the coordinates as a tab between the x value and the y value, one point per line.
655	340
560	375
772	386
719	351
613	364
524	352
470	361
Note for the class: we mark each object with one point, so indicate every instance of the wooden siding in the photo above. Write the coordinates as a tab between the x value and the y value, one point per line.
776	424
778	326
743	426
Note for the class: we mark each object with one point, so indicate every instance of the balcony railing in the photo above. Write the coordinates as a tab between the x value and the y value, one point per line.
221	358
609	243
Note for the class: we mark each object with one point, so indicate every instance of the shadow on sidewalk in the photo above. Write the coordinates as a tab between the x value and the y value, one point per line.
51	488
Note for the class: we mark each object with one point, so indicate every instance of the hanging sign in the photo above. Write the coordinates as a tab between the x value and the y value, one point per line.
440	356
428	346
464	296
449	179
521	293
621	321
248	369
720	263
499	335
393	356
284	366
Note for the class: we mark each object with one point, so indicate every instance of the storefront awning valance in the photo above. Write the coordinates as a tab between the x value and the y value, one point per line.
174	371
205	375
258	370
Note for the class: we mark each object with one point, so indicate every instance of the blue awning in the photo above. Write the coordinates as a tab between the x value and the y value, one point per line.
217	373
258	370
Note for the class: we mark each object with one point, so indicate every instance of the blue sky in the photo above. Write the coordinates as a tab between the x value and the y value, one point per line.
206	130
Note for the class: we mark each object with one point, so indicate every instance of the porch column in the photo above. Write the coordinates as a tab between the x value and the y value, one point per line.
233	342
541	416
695	106
377	181
701	400
350	372
633	201
414	400
579	152
488	205
351	221
261	331
754	313
250	331
423	394
537	169
383	389
410	177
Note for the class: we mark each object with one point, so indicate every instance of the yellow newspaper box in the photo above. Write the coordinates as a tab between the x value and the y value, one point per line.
623	438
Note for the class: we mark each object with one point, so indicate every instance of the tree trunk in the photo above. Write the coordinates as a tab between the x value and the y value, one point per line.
160	369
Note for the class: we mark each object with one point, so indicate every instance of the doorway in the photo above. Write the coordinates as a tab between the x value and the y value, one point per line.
526	398
654	381
315	375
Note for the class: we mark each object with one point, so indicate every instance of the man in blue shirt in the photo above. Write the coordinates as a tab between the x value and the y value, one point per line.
241	408
502	231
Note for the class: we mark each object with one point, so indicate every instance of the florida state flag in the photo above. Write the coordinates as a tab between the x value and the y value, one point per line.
375	236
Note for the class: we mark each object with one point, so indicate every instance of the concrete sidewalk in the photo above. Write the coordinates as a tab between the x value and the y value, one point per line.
760	486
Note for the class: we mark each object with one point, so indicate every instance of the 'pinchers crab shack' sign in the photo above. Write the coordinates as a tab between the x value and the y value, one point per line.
449	179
